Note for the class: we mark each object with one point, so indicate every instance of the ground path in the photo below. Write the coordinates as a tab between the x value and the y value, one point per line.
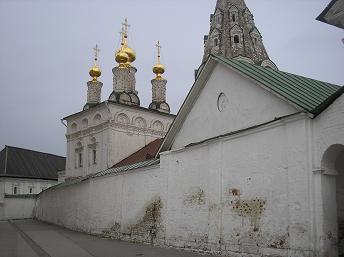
31	238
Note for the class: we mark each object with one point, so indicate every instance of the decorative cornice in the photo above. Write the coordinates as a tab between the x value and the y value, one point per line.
132	128
116	125
87	131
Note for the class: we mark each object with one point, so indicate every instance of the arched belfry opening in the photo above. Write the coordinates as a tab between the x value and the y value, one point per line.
333	198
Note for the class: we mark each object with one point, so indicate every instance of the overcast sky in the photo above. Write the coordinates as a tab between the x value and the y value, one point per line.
46	52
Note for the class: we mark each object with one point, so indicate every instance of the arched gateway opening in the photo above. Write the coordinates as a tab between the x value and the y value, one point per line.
333	198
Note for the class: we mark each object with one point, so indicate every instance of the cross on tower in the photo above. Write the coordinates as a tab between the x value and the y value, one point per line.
96	53
122	33
158	46
126	26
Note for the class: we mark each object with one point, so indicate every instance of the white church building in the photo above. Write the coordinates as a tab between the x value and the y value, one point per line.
252	164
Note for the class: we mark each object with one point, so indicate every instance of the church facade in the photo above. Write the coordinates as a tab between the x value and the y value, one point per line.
252	165
105	133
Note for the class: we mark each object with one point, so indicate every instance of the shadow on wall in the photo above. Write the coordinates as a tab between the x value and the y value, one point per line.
333	200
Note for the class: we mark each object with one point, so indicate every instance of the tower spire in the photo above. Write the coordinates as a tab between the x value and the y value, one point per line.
95	71
158	69
233	34
122	57
124	74
159	85
96	54
125	56
125	26
158	46
94	86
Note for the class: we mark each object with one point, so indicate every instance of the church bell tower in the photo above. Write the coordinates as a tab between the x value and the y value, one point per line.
124	74
94	86
233	34
159	87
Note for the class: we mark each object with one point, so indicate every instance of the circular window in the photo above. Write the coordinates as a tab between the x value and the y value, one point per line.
222	102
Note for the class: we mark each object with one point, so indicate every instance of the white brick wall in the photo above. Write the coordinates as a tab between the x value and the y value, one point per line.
204	190
263	192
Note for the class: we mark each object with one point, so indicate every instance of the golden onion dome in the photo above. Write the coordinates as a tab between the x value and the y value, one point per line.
95	72
130	52
122	57
159	69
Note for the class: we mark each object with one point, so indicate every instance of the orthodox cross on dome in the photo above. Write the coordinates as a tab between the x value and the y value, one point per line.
96	53
125	27
159	69
158	46
95	71
122	33
125	55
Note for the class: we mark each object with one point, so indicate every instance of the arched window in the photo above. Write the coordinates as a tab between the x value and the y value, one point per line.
80	159
15	189
94	156
78	155
97	118
236	39
157	125
140	122
218	19
216	42
122	118
332	172
74	127
84	123
92	151
233	14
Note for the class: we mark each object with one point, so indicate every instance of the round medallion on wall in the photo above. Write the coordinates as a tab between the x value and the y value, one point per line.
222	102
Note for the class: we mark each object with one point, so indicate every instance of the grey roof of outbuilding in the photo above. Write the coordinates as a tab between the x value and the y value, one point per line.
333	14
111	171
24	163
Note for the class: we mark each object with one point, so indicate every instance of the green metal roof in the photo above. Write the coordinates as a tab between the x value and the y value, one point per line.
311	95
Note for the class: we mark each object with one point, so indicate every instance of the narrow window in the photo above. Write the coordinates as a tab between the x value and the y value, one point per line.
236	39
216	42
15	190
233	17
80	159
94	156
30	190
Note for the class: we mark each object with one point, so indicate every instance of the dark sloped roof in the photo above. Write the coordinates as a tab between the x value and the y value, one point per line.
129	167
2	161
146	153
333	14
18	162
111	171
311	95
